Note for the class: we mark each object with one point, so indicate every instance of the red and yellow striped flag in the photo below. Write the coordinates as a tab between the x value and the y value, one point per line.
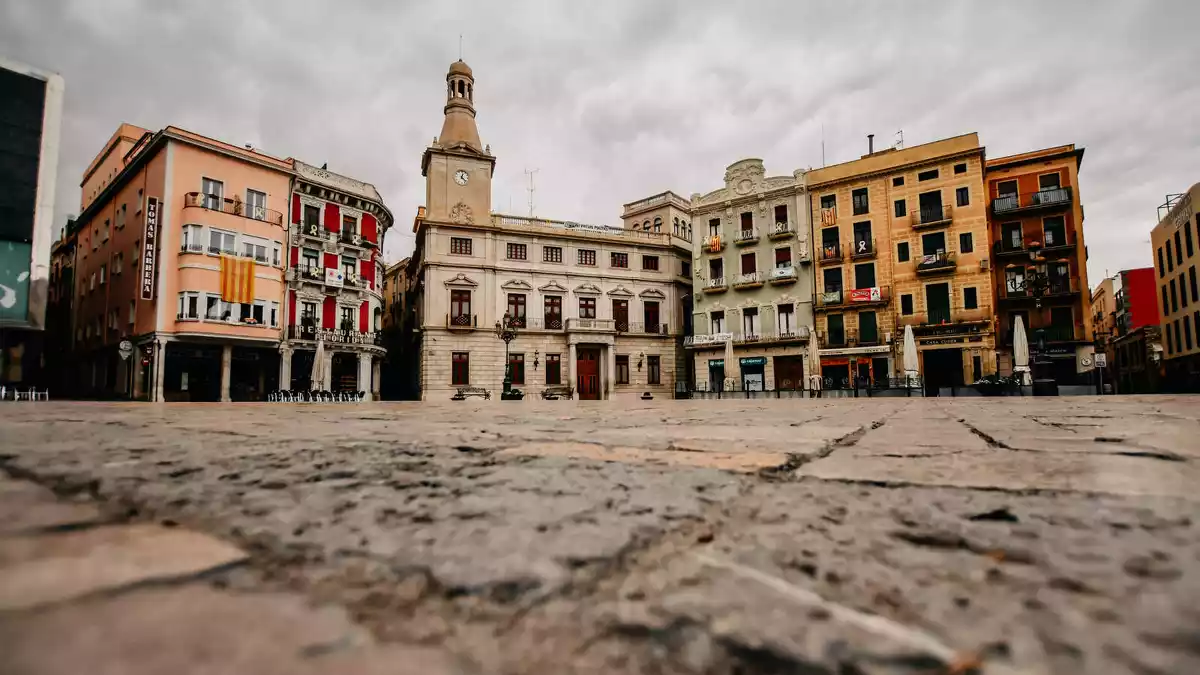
237	279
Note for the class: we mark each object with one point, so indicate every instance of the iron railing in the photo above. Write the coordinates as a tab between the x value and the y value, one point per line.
931	215
830	253
746	236
748	279
937	262
863	248
1050	198
591	324
462	321
232	206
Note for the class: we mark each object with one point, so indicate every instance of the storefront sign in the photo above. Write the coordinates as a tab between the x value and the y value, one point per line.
334	277
882	349
943	341
716	363
865	294
714	339
149	248
753	361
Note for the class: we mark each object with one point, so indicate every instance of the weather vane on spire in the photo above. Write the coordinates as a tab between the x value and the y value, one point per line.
460	46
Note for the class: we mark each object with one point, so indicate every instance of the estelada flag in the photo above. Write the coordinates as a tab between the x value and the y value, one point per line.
237	279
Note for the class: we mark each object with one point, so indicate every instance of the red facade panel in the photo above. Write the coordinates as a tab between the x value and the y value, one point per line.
333	217
1140	287
291	308
295	257
329	312
295	208
370	228
367	270
364	317
331	261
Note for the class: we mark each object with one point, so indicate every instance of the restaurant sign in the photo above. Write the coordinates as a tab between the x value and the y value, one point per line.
865	294
149	248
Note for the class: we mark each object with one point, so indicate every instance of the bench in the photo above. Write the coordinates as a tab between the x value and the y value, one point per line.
464	392
556	392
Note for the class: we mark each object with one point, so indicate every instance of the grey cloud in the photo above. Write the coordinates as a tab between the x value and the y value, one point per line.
618	100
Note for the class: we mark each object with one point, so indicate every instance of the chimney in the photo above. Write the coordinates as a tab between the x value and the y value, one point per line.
870	143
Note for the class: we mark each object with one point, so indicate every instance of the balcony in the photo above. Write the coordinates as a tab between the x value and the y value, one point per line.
233	206
835	339
1042	200
1056	293
591	325
783	275
1009	249
547	323
331	336
714	243
857	297
192	247
748	280
863	249
462	321
832	298
644	328
350	238
938	263
781	231
744	237
830	254
947	319
931	216
1051	334
715	285
786	336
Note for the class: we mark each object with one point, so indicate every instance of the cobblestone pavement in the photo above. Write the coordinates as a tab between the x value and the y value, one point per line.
838	537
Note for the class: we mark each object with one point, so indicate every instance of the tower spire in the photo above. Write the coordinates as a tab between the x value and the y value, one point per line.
458	129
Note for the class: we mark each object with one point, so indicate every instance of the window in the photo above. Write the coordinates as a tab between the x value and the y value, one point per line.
460	246
786	318
859	200
274	314
749	265
619	260
906	305
898	181
121	216
189	305
1161	270
553	369
308	314
587	257
685	269
714	227
650	263
214	193
103	270
256	205
516	251
552	254
960	168
552	311
1170	258
658	224
965	243
868	327
901	208
312	218
348	267
716	268
275	254
1174	297
970	298
587	308
902	252
1167	332
1192	283
833	279
1187	239
516	368
1183	294
750	323
962	196
829	201
256	313
460	308
622	368
347	322
620	315
927	175
1048	181
717	322
837	329
221	242
460	368
1178	250
781	215
653	369
516	309
864	275
1187	334
1165	305
310	259
256	249
1178	341
192	240
783	257
747	220
650	316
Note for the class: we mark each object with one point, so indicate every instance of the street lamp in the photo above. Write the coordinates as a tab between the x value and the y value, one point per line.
506	330
1037	283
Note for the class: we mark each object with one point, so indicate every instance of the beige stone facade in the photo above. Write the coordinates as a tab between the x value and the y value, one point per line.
900	239
596	308
753	309
1175	244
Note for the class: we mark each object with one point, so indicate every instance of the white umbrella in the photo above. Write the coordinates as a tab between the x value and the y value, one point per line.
317	378
1020	349
910	356
732	369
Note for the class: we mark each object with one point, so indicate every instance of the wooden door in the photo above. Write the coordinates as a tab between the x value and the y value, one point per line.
587	371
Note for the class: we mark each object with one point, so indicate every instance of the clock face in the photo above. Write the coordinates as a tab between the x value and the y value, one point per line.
461	177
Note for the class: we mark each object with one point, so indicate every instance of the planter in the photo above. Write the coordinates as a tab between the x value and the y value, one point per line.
512	395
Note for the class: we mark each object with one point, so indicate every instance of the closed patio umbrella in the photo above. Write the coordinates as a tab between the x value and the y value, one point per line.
317	378
1020	350
732	369
910	356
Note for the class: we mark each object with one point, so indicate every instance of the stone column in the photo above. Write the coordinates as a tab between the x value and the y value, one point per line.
285	369
610	364
139	373
376	384
573	382
159	365
364	374
226	364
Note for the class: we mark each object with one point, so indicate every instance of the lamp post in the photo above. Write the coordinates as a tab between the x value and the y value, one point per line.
506	330
1036	283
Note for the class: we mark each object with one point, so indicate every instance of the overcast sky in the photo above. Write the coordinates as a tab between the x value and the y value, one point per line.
618	100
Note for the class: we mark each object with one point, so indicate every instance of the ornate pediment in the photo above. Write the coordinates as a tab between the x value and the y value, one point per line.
552	287
587	289
621	292
653	294
517	285
462	280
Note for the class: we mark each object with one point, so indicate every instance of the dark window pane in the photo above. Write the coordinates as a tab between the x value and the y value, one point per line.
902	252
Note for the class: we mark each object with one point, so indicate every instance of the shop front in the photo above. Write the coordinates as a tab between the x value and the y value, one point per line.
754	372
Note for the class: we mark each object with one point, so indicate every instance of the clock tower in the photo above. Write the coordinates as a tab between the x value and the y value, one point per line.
457	167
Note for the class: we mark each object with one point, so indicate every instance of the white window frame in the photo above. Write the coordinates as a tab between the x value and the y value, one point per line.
193	235
785	325
304	258
232	250
273	310
212	198
316	313
256	243
716	325
751	323
184	298
251	205
276	254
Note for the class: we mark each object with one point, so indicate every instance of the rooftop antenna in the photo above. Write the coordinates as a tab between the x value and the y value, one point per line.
900	142
460	46
822	144
531	189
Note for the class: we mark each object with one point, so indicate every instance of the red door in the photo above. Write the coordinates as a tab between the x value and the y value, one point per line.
587	371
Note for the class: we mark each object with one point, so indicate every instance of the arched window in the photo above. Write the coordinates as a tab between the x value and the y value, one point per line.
675	227
462	89
658	224
470	92
646	226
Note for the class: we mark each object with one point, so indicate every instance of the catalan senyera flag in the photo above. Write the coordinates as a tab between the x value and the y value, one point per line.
237	279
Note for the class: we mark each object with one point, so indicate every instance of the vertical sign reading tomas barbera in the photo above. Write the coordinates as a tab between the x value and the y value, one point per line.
149	246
